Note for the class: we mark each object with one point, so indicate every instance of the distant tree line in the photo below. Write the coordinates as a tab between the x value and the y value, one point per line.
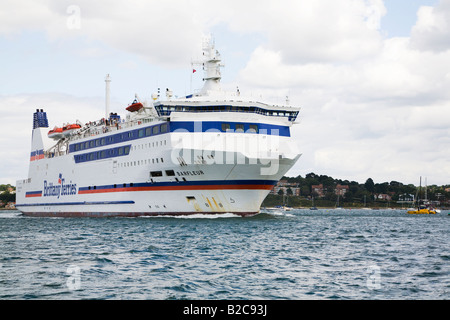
5	194
358	194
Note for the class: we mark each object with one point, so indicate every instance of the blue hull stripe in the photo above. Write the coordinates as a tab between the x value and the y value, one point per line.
81	203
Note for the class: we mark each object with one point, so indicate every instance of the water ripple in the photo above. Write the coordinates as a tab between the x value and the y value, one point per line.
326	254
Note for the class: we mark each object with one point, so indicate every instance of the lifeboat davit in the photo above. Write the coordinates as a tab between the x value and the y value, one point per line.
56	133
68	129
135	106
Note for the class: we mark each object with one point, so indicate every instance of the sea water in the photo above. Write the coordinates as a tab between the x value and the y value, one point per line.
293	255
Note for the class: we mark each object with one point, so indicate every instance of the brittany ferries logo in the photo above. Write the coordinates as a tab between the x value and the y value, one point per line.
59	189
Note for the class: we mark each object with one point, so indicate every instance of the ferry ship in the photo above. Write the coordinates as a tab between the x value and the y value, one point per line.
211	152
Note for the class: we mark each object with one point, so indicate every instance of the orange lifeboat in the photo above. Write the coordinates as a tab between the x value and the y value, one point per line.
135	106
56	133
68	129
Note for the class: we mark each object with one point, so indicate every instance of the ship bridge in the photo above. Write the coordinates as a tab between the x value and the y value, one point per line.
166	108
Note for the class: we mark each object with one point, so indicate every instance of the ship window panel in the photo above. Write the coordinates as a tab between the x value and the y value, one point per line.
164	128
239	127
170	173
148	131
92	143
156	173
141	133
225	127
127	150
97	142
253	128
120	151
102	141
155	129
86	145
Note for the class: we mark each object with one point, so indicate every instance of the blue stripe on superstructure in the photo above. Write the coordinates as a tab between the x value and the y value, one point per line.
103	154
182	126
217	126
122	136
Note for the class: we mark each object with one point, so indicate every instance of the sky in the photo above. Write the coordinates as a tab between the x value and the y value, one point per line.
372	77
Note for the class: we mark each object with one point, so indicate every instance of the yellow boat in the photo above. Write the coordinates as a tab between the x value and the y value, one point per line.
423	206
422	211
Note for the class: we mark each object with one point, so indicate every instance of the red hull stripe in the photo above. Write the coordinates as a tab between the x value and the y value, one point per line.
185	187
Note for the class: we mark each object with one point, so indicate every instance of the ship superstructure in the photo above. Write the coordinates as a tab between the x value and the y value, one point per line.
211	152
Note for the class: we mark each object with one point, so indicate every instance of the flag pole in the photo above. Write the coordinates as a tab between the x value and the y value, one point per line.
192	67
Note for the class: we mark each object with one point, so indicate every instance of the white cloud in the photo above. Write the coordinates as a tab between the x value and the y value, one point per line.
371	106
432	29
19	15
382	113
164	32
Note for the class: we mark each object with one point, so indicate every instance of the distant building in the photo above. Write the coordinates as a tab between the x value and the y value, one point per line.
10	205
383	196
340	190
318	189
284	185
406	197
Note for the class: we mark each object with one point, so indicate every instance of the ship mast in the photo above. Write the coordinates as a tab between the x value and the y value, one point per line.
107	96
211	65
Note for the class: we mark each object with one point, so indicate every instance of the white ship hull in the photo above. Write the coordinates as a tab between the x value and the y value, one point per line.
217	174
180	157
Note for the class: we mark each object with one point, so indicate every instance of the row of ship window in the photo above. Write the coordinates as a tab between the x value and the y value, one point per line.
156	130
120	137
141	133
103	154
164	110
153	174
116	152
140	162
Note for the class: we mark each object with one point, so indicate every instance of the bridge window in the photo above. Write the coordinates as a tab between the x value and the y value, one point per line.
156	173
253	128
225	127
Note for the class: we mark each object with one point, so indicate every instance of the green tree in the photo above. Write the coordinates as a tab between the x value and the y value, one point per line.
369	185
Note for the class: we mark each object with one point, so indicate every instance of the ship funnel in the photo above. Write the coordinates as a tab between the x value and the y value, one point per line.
39	137
40	119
